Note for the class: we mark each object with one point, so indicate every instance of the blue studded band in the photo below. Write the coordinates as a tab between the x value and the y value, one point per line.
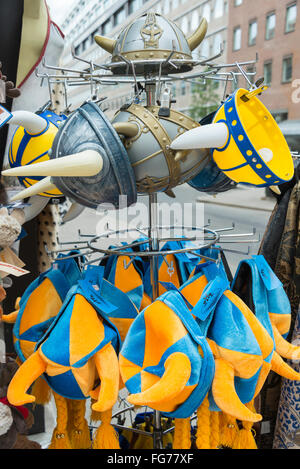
248	151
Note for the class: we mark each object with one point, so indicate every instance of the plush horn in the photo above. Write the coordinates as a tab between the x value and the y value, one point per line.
105	43
107	365
225	395
283	369
32	123
197	37
284	348
44	185
85	163
176	375
28	372
126	128
205	136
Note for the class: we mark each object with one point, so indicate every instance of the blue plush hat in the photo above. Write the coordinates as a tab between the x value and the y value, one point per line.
259	287
41	302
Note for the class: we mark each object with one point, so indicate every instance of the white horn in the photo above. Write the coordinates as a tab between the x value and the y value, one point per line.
44	185
205	136
32	123
36	204
74	211
85	163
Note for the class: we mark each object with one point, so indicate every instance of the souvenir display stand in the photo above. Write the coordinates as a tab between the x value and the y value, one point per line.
148	147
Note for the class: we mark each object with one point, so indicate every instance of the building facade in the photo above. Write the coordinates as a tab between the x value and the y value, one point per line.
272	30
108	17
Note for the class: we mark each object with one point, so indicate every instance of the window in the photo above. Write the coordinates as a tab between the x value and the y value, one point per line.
182	88
195	20
106	27
287	69
237	38
184	25
133	6
252	33
173	90
175	4
205	48
291	17
217	44
270	26
206	12
166	8
268	72
119	16
219	8
237	2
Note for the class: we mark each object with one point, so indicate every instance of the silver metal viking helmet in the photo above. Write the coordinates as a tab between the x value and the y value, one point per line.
150	39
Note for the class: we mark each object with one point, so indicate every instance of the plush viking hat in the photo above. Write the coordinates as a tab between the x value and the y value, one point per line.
256	283
40	303
88	163
245	140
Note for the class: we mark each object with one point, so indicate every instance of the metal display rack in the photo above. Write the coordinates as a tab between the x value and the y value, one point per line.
94	75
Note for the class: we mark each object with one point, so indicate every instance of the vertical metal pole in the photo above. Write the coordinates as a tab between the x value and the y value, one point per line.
154	246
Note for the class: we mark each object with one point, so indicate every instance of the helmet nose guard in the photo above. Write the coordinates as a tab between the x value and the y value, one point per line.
89	129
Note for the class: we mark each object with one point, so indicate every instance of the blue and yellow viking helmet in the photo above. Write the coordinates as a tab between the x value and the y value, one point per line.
245	140
29	146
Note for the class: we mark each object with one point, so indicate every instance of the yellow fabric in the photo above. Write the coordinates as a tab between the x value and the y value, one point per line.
43	304
281	321
171	330
182	434
86	330
126	279
106	362
169	272
28	372
122	324
284	348
10	318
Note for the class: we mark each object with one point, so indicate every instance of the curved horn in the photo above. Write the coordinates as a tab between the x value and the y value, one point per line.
283	347
176	375
205	136
32	123
36	204
126	128
225	395
44	185
85	163
283	369
105	43
28	372
107	365
74	211
197	37
275	189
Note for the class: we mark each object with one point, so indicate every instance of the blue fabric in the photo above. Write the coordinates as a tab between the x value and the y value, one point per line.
202	373
62	275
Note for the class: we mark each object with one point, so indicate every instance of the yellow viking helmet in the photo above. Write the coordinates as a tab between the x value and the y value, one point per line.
245	141
31	143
